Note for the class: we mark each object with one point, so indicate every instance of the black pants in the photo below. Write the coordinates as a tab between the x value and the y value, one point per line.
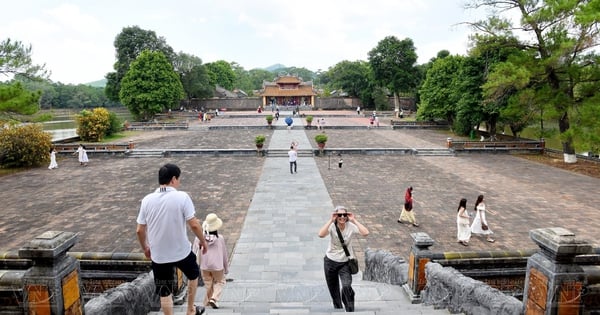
334	272
293	167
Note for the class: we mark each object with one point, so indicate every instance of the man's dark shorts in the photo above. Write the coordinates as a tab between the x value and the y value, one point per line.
165	277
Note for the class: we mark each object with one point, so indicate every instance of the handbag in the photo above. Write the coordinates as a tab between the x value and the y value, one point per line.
352	262
484	227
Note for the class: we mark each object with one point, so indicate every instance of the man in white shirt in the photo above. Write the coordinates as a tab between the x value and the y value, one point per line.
161	231
293	154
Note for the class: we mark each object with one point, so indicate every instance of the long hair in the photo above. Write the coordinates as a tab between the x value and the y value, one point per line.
462	204
479	200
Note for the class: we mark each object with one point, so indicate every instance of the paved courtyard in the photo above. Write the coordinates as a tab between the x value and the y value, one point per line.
101	201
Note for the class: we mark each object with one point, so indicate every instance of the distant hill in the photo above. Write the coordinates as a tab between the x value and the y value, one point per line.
99	83
275	67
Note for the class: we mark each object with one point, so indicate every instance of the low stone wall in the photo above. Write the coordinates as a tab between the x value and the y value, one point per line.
382	266
136	298
448	288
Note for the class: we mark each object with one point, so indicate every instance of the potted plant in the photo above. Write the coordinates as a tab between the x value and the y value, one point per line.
320	139
269	119
309	120
259	141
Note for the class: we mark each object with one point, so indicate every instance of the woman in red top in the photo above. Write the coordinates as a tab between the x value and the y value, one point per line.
407	213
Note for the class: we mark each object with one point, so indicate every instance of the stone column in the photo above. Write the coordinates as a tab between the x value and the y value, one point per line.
554	283
53	285
419	256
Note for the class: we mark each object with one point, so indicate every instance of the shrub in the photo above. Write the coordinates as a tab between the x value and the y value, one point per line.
115	124
24	146
93	125
269	118
309	119
321	138
260	139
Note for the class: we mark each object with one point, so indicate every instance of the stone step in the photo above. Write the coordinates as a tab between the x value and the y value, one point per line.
263	297
284	153
434	152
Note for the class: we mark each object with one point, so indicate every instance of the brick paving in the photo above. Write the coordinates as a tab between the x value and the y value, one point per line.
100	201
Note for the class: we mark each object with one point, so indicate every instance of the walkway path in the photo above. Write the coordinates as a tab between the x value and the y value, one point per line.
277	264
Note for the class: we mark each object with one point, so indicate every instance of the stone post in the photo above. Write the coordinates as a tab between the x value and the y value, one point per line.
554	283
53	285
419	256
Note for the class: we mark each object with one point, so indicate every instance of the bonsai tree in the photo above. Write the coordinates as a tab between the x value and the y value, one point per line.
269	119
321	138
259	140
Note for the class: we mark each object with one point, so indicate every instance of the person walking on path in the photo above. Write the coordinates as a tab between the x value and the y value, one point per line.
82	155
53	163
214	264
462	223
480	225
161	232
293	157
336	261
358	110
407	214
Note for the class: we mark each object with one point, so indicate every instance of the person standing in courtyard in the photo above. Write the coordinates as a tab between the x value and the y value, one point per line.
214	264
341	224
161	232
480	224
462	223
293	157
407	213
53	163
82	155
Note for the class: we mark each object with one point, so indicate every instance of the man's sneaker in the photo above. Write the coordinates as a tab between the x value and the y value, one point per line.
213	303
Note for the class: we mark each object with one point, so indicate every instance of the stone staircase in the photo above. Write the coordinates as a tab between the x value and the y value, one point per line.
264	297
277	262
284	153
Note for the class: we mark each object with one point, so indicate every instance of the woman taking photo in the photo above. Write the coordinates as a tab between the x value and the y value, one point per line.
336	261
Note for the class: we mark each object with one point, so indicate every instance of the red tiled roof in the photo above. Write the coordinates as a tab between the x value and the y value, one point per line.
276	91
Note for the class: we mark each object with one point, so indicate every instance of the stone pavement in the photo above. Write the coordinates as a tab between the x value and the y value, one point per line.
101	201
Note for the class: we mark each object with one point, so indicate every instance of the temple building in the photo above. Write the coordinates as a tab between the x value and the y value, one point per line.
288	90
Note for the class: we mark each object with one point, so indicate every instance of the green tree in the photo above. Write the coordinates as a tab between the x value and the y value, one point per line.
352	77
150	86
129	44
220	73
15	59
438	92
194	77
15	62
560	66
393	64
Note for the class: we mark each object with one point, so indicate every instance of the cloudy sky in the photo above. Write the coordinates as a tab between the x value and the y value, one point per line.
75	38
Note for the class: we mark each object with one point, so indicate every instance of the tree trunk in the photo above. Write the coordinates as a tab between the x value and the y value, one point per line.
567	144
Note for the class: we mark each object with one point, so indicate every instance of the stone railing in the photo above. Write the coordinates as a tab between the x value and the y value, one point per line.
44	278
91	148
497	146
405	124
156	125
564	273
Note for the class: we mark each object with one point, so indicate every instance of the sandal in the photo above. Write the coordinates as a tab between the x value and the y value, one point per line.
200	310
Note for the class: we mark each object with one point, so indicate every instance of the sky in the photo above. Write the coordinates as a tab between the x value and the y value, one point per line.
74	39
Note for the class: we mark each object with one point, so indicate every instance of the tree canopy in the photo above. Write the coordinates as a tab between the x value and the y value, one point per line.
129	44
150	86
557	68
15	61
